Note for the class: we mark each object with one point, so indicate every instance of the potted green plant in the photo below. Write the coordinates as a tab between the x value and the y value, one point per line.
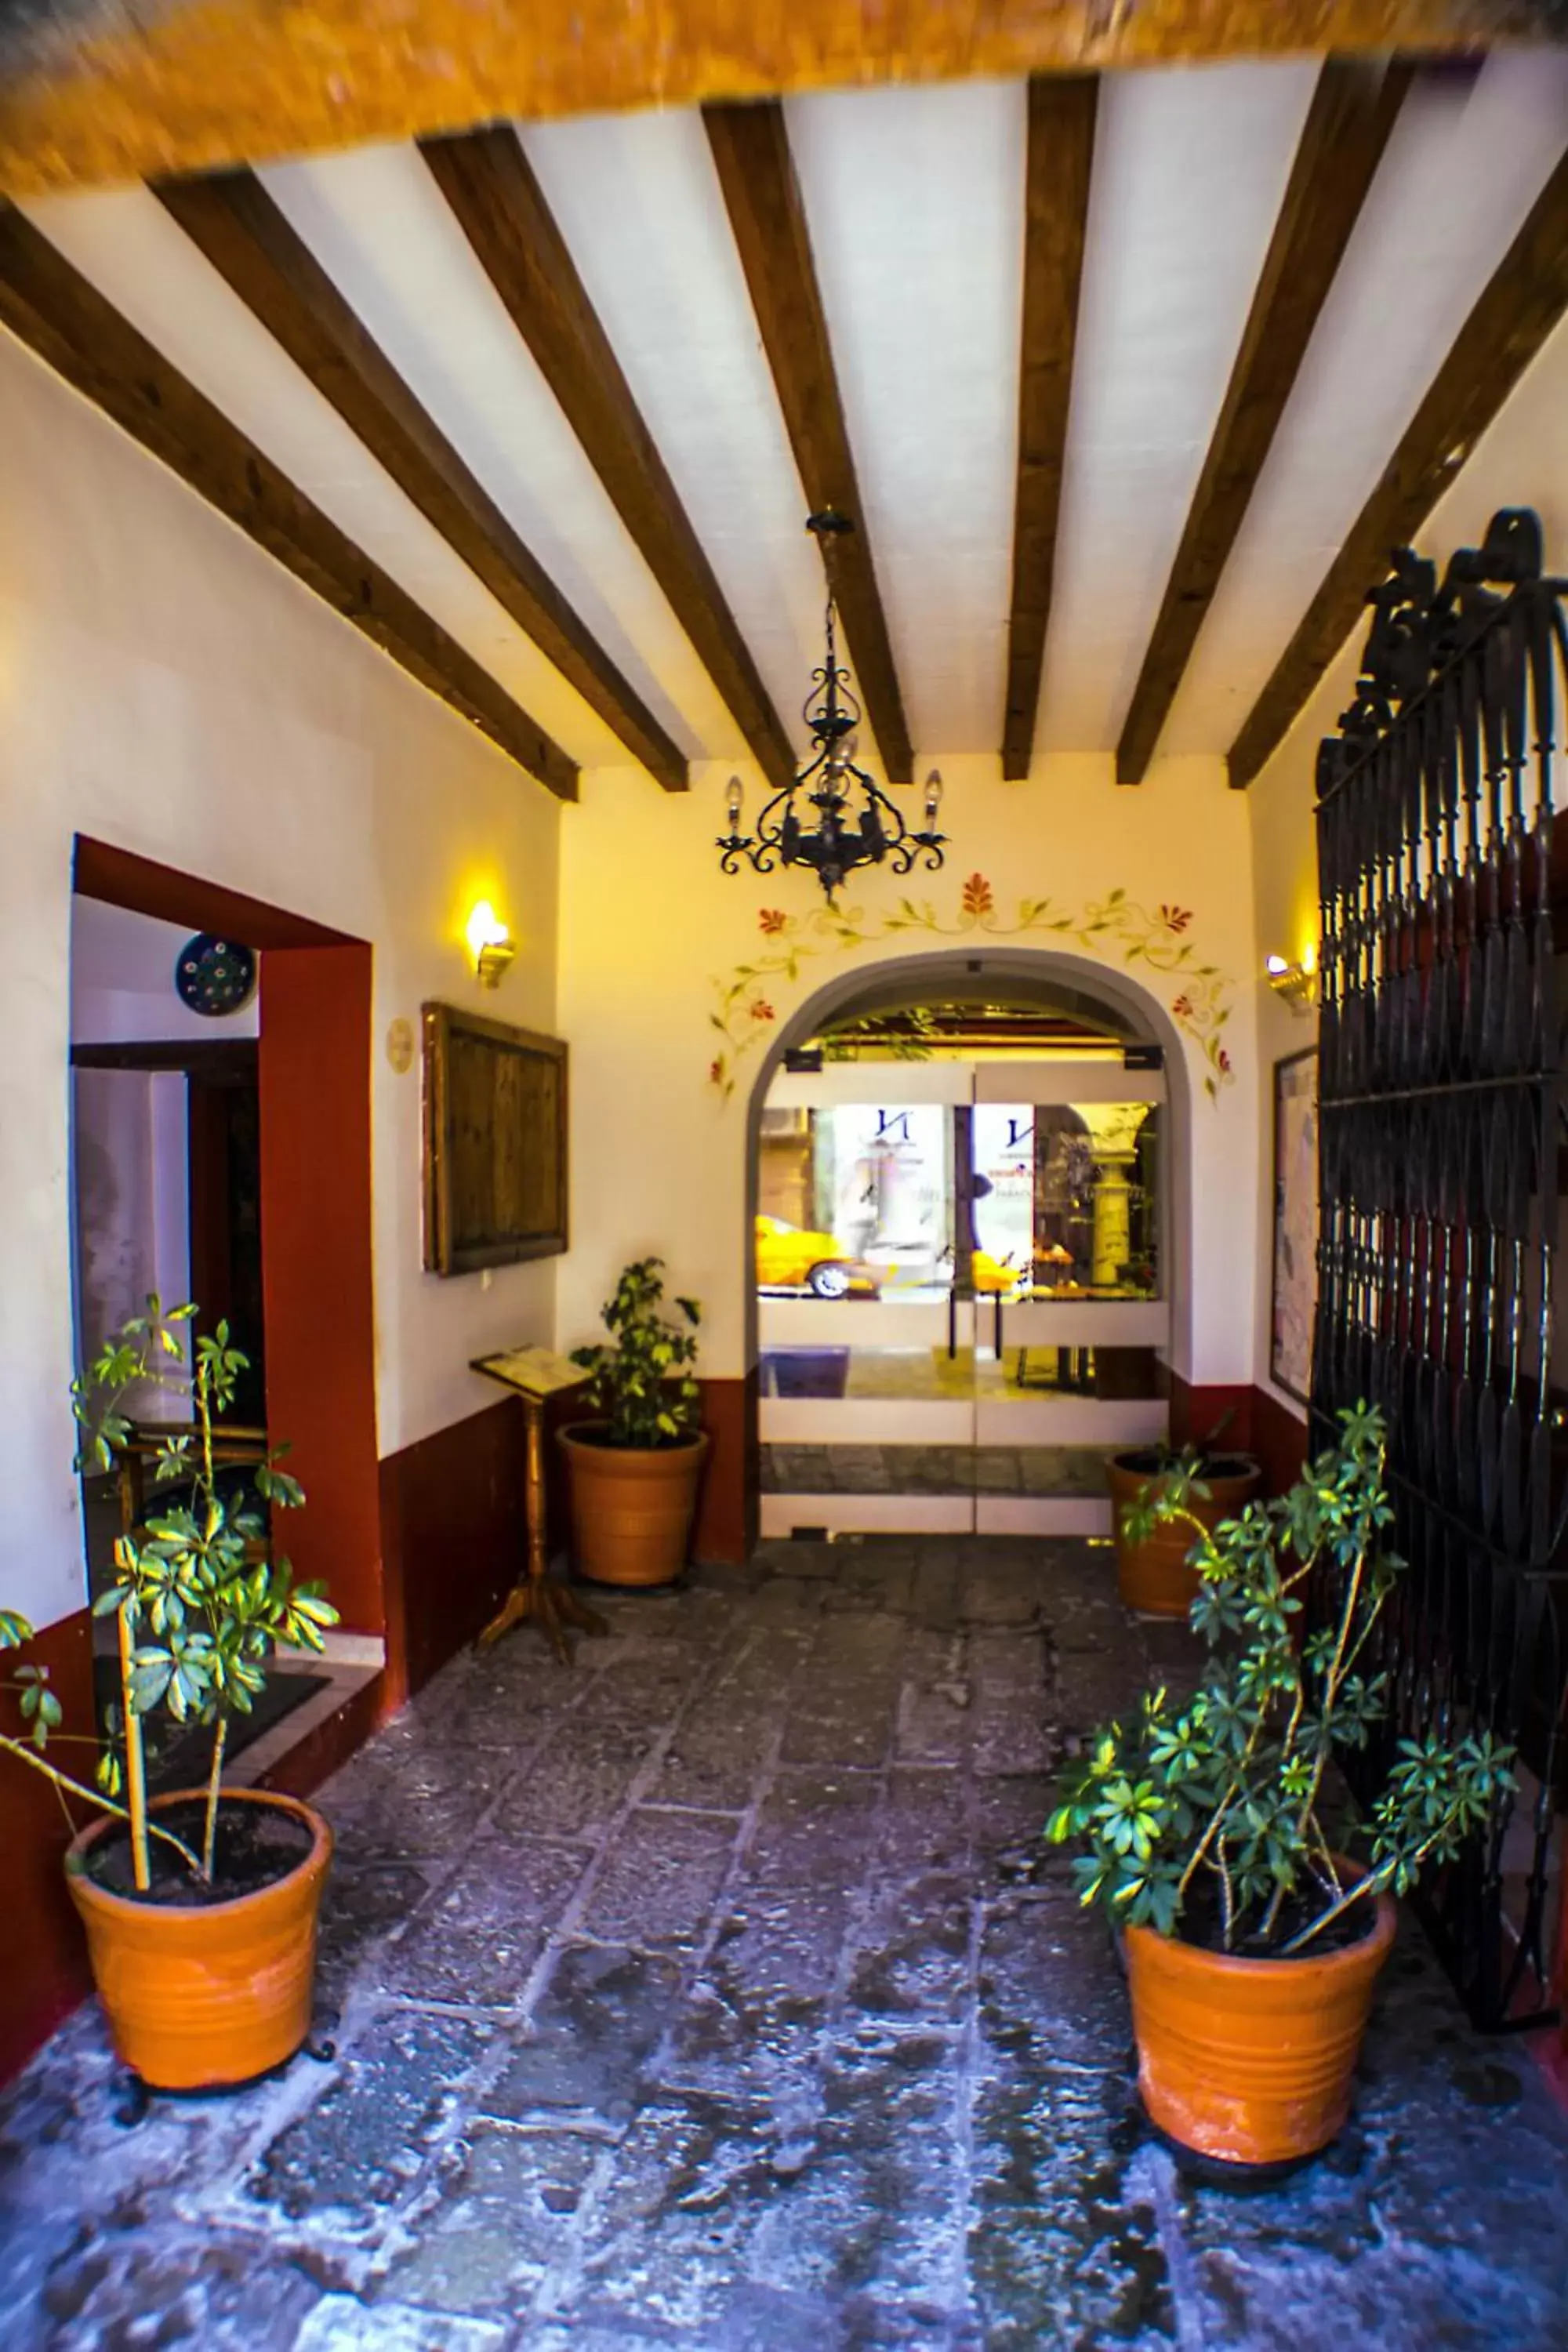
633	1469
200	1907
1155	1571
1253	1932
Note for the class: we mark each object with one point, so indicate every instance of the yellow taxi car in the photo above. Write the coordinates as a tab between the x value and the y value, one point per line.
789	1258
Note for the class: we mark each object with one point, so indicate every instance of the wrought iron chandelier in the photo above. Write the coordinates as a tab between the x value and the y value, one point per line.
842	836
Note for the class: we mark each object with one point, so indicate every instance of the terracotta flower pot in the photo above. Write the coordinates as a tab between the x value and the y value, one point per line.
1153	1576
1250	2061
631	1508
200	1999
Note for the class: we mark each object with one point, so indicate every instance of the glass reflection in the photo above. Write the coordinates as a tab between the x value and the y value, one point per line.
862	1200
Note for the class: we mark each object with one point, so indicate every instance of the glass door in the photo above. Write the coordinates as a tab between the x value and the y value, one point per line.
960	1294
865	1332
1068	1276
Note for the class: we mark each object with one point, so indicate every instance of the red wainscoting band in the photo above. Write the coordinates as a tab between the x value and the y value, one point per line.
1249	1419
726	1531
43	1958
1279	1440
452	1533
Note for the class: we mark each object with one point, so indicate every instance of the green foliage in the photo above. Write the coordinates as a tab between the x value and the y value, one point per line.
1224	1791
202	1618
1172	1487
640	1383
1178	1477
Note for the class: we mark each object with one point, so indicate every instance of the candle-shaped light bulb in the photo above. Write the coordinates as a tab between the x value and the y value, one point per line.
933	798
732	799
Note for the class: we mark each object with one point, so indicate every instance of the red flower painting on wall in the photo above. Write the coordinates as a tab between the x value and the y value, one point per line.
1158	939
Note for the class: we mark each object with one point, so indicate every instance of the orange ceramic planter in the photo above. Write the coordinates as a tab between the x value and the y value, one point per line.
1251	2061
201	1999
631	1509
1153	1577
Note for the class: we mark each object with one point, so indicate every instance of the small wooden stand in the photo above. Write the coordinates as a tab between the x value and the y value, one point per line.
535	1375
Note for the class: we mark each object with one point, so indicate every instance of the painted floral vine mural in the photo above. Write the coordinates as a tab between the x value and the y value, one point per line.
1200	1003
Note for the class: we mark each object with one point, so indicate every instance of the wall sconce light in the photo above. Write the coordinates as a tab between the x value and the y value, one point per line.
1296	982
490	944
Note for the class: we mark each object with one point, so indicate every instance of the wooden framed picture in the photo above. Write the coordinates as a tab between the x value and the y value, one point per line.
1295	1222
495	1142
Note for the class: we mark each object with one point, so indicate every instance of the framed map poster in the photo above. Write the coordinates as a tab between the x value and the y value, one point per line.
1295	1222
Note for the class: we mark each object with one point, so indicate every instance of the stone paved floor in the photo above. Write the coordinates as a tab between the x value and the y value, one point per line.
716	1995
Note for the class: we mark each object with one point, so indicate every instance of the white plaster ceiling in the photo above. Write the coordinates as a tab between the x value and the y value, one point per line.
915	199
1467	161
1189	169
914	203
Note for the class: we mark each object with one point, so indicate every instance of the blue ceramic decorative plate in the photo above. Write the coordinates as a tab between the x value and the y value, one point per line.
214	976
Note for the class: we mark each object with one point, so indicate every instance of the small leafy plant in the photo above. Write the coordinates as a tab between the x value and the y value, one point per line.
1222	1796
198	1618
641	1384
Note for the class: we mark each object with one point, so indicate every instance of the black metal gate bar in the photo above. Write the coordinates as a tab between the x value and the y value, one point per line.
1441	1130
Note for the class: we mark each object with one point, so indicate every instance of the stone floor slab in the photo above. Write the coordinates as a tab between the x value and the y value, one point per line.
339	2324
661	1879
359	2147
194	2289
476	1943
496	2216
717	1993
594	2029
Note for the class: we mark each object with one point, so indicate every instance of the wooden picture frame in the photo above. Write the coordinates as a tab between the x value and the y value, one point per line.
495	1143
1293	1303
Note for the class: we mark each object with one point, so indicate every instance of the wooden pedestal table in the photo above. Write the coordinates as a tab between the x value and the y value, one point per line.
535	1375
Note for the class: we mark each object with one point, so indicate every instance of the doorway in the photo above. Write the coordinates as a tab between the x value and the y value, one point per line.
966	1189
166	1142
277	1188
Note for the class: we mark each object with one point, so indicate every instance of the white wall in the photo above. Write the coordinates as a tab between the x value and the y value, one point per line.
648	924
1521	461
167	688
163	686
122	982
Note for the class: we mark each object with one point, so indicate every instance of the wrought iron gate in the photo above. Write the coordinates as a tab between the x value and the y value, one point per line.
1441	1140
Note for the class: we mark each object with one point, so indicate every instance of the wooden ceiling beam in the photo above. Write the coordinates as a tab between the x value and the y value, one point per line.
52	309
1525	298
249	240
490	186
1349	122
110	95
761	193
1060	162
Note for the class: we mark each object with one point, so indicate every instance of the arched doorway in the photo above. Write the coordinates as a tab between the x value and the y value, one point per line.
968	1204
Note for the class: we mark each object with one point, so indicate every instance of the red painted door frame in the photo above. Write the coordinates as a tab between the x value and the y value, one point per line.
314	1073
